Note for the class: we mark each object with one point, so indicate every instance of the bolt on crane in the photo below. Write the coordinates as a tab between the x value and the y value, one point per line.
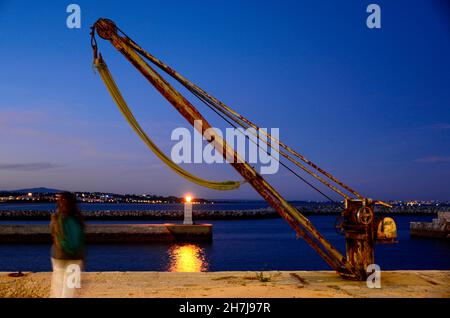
359	225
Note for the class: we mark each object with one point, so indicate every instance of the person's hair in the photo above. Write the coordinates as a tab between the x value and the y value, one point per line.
66	205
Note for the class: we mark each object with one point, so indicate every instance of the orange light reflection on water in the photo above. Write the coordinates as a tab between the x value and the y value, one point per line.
187	258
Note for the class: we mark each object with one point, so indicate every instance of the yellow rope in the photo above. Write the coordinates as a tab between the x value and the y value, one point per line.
126	112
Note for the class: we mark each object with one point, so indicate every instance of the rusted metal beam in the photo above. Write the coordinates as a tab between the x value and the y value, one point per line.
304	228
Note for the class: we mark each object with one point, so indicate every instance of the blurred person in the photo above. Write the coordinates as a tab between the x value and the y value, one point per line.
67	229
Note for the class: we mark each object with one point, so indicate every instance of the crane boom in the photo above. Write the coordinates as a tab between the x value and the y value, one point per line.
359	223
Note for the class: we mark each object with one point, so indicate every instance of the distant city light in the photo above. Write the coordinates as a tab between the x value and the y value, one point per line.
188	198
30	194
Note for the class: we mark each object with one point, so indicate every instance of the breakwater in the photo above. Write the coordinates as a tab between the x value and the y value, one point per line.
438	228
146	214
328	208
112	233
206	214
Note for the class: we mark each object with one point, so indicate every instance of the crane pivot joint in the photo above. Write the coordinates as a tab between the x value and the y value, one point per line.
106	28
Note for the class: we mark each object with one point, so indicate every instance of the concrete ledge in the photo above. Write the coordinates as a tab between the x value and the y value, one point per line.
111	233
438	228
317	284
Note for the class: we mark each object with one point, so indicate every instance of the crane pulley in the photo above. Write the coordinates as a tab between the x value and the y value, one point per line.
359	225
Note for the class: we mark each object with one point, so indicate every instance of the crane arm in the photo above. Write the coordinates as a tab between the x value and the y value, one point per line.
361	251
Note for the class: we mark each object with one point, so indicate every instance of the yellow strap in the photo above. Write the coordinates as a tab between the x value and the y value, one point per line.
126	112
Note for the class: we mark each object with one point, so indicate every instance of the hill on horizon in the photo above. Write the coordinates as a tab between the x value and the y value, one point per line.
34	190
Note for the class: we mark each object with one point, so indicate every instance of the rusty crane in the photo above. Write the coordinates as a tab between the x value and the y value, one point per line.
359	225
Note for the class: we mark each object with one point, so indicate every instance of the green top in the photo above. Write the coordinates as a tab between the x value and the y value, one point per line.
68	238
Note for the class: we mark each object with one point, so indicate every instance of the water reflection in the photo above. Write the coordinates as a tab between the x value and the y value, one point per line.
187	258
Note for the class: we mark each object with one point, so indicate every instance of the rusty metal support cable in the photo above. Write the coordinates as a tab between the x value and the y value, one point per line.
201	98
187	83
213	103
284	154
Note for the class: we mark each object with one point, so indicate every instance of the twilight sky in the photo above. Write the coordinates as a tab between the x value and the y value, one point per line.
370	106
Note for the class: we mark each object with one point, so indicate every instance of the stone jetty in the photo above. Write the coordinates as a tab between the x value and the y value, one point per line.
111	233
438	228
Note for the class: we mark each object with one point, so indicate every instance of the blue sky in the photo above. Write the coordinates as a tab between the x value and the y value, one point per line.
370	106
